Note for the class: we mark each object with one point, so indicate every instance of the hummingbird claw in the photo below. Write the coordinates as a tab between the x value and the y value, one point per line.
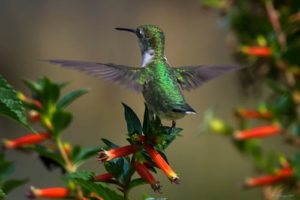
173	126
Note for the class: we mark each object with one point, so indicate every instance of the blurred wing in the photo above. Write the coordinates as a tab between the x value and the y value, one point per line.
193	76
124	75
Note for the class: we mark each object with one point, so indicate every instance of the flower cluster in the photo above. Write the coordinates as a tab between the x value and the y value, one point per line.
146	147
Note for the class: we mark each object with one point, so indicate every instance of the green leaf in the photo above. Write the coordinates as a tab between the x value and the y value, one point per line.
99	189
295	161
168	135
75	152
61	120
284	109
9	185
70	97
133	122
34	86
88	152
2	195
10	105
6	167
119	168
50	92
45	91
146	121
295	130
109	143
83	154
250	147
43	151
136	182
83	175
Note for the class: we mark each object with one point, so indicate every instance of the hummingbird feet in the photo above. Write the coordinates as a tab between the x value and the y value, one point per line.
173	124
172	127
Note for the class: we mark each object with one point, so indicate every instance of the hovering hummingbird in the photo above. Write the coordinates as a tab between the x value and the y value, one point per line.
160	84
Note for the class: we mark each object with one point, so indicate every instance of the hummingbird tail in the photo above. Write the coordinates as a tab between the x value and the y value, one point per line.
186	109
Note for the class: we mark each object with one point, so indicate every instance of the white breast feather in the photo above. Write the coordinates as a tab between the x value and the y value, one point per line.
147	57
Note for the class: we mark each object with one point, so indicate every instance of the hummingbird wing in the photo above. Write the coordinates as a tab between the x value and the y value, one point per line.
124	75
190	77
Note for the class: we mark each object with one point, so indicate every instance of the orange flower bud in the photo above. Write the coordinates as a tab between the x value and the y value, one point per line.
25	140
278	177
147	176
28	100
217	125
258	132
162	164
67	148
48	123
106	155
257	51
253	114
21	96
56	192
104	177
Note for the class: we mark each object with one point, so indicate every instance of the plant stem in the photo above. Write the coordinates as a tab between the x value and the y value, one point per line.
68	164
130	174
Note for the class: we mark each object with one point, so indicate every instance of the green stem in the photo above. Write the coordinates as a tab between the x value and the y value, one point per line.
68	164
128	181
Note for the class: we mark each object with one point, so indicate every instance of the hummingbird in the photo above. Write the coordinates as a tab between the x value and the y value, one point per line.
160	84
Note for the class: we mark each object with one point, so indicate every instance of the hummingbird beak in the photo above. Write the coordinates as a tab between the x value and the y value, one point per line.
127	29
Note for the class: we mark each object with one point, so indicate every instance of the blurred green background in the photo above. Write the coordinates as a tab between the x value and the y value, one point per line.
209	166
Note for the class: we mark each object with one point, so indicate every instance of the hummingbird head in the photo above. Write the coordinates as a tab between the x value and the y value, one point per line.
151	40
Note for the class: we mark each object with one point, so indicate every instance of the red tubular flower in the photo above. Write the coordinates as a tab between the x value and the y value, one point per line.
117	152
278	177
147	176
257	51
258	132
104	177
26	140
162	164
253	114
56	192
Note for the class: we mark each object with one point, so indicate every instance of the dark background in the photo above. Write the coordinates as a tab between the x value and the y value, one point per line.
209	167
